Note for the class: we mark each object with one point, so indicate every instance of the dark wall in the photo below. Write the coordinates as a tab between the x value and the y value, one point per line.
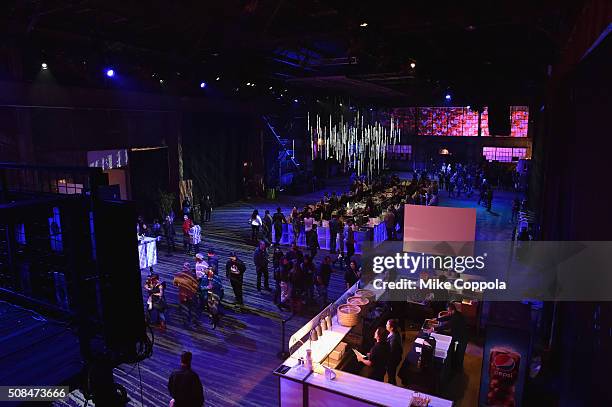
148	175
215	146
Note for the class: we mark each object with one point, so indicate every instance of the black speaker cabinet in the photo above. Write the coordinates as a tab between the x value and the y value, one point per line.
499	120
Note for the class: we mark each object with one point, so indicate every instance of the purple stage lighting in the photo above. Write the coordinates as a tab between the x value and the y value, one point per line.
110	73
448	96
202	85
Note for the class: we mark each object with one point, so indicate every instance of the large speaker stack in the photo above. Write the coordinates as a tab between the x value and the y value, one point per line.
499	119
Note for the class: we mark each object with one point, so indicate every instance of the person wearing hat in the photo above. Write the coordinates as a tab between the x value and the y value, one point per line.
234	270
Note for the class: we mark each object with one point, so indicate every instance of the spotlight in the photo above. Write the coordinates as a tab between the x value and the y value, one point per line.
448	96
340	104
253	84
412	65
270	88
161	81
202	85
364	24
248	83
110	73
44	66
468	107
218	78
295	100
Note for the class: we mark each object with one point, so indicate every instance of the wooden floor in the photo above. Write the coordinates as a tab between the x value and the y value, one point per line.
235	361
34	350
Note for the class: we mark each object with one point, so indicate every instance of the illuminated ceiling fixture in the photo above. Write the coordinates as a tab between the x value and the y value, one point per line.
218	78
364	24
44	66
412	65
355	141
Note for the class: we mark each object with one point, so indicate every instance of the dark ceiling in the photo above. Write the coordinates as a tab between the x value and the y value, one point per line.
476	49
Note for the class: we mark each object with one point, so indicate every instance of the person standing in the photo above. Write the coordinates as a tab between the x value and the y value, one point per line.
309	270
187	207
260	258
277	221
267	227
169	233
207	207
350	240
333	232
234	270
394	339
213	261
323	277
285	280
454	322
378	357
255	222
186	227
313	241
489	198
295	224
156	301
277	258
187	285
195	237
352	274
185	386
390	223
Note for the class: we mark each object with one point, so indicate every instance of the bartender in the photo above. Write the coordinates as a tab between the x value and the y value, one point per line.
378	357
454	322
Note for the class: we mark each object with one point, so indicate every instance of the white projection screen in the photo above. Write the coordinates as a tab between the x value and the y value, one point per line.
439	230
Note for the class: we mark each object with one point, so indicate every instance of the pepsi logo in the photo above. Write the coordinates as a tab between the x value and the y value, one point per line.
503	361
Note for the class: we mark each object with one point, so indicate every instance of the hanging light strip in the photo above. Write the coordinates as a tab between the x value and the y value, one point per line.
355	143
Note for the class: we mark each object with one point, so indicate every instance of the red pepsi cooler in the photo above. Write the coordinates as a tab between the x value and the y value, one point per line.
503	373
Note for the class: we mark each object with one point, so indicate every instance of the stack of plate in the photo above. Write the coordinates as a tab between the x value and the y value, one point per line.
348	315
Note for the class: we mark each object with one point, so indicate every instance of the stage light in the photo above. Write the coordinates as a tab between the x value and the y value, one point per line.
202	85
412	65
468	107
110	73
161	81
44	66
270	88
364	24
448	96
218	78
340	104
295	100
248	83
253	84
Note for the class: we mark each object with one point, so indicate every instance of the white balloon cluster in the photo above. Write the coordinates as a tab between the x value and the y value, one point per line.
356	143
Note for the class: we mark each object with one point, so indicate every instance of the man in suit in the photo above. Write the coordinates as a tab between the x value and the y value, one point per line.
394	339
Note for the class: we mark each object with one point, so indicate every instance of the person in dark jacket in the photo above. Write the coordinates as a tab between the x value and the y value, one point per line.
334	228
378	357
234	270
352	274
260	258
396	350
455	323
169	234
267	227
185	386
277	221
207	207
